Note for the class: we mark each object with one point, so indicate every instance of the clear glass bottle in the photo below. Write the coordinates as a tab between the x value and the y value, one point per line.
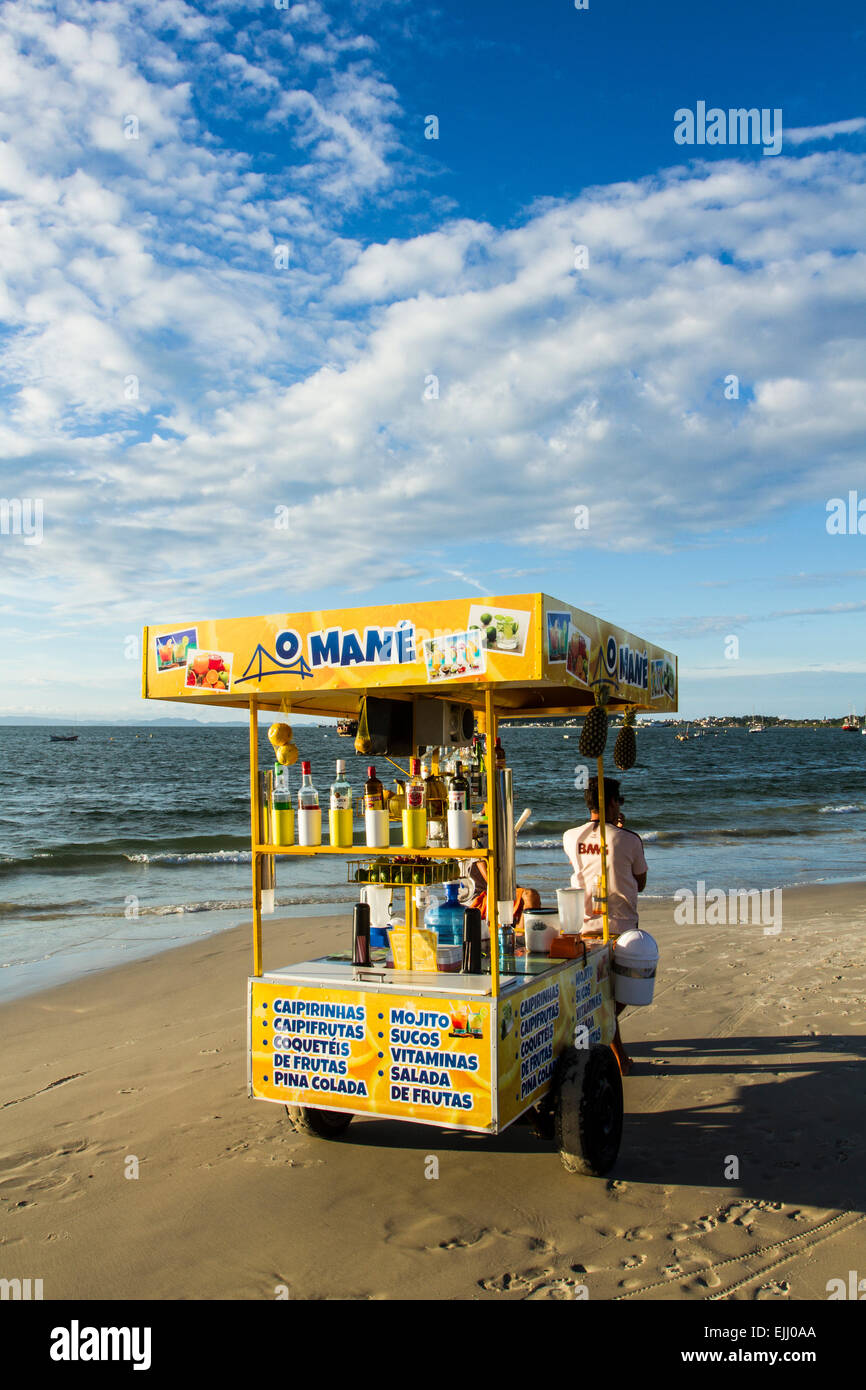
309	810
340	808
282	810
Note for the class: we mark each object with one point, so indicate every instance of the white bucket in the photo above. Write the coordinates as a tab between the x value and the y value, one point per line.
376	829
635	958
571	906
541	926
459	829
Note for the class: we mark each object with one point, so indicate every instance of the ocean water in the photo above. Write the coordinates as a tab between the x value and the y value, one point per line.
134	839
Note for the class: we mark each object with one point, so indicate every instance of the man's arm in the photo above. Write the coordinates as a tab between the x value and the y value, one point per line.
639	866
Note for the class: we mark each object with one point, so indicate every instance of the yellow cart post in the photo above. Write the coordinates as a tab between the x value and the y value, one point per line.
330	1039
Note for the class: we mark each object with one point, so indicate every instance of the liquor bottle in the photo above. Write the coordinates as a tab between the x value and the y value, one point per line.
376	830
458	790
459	814
475	771
397	799
499	754
282	811
309	811
340	809
373	791
415	814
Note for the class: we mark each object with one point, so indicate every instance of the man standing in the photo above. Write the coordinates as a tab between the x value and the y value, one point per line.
626	873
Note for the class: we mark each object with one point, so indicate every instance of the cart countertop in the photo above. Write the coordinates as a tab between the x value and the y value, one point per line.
377	978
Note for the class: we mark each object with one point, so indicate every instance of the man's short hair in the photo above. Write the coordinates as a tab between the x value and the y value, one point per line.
611	792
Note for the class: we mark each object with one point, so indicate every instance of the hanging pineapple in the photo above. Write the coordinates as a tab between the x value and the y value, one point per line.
593	735
625	748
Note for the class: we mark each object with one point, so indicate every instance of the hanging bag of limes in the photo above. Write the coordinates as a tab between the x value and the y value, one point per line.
363	741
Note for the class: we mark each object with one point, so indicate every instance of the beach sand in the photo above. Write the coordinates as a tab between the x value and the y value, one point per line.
753	1048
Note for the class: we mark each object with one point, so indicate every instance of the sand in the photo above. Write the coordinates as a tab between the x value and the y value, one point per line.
752	1049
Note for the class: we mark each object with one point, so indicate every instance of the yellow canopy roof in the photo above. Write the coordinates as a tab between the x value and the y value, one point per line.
541	656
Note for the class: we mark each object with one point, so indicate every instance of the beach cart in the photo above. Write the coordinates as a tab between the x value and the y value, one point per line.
518	1035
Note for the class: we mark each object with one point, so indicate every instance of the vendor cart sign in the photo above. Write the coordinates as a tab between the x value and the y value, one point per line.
535	1024
407	1057
517	640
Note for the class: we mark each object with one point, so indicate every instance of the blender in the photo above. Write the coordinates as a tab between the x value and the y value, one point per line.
570	905
379	901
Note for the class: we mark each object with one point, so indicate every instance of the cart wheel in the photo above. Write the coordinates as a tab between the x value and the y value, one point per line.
326	1124
588	1110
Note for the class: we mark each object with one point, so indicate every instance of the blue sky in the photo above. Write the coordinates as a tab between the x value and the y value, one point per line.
231	262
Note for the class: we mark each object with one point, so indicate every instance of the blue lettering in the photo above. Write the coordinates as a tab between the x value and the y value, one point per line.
352	653
287	645
325	648
379	642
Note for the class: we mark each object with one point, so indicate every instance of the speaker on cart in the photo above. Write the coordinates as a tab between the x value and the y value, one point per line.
443	724
390	726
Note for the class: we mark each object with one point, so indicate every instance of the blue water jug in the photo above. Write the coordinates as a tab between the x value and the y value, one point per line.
446	919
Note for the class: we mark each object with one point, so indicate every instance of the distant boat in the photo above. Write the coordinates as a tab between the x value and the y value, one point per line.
851	723
681	738
63	738
347	728
756	727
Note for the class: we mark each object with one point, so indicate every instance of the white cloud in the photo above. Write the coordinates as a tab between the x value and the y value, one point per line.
802	135
306	387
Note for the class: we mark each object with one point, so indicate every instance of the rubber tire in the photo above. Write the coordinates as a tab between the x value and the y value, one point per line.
588	1110
324	1124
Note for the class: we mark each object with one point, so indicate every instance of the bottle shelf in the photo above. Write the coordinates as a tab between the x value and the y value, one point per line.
395	851
410	875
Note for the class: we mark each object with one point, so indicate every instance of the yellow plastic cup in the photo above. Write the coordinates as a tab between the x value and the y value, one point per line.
283	826
340	827
415	828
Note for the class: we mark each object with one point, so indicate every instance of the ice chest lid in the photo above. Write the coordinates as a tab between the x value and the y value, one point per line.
636	947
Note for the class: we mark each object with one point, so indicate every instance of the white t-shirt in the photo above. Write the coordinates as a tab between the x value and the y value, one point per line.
625	863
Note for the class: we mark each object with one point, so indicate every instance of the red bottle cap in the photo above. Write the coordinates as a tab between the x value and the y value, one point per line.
415	766
305	767
371	772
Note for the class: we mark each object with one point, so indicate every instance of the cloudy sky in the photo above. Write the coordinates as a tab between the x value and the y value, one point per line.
419	281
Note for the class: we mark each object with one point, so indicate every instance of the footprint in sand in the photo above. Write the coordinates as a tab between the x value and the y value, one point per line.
633	1262
461	1242
617	1185
776	1288
559	1289
637	1233
514	1283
